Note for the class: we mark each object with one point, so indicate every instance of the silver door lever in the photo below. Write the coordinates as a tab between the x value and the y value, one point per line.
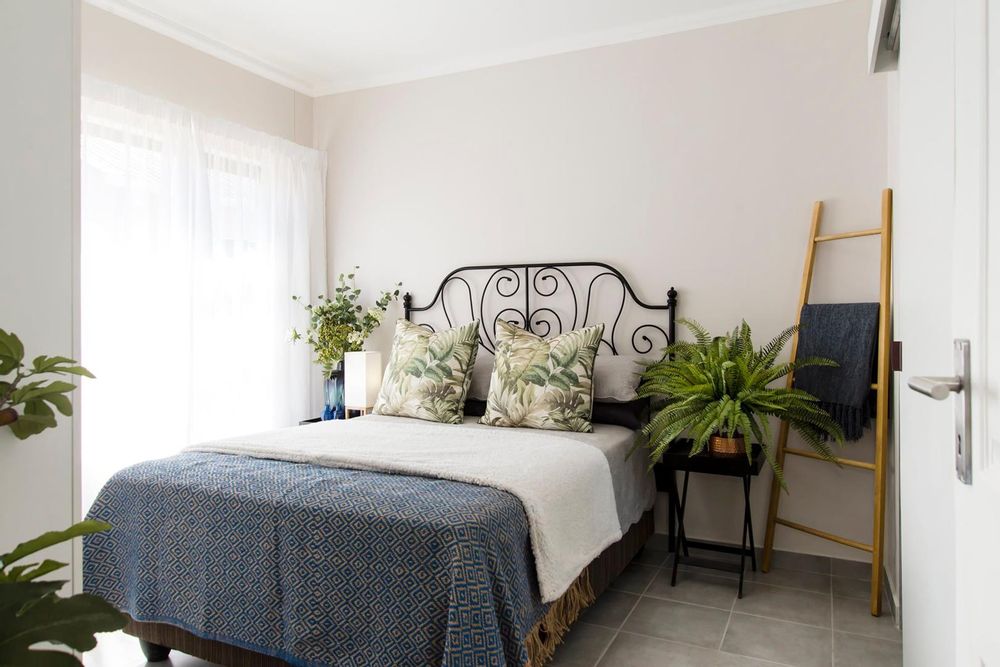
940	388
937	388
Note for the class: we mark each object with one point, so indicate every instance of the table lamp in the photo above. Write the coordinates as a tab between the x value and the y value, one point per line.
362	380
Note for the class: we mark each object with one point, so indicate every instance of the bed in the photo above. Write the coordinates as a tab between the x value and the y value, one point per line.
349	548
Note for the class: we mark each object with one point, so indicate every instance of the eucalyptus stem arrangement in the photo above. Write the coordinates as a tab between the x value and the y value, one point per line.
718	386
341	324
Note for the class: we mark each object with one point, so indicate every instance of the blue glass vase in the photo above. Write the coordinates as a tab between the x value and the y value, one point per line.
333	394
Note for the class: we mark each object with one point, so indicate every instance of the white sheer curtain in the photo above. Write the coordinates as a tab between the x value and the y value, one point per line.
195	235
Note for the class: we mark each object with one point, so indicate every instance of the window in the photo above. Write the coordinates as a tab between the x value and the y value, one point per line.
195	235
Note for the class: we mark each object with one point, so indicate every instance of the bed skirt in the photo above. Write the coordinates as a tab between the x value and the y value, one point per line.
541	643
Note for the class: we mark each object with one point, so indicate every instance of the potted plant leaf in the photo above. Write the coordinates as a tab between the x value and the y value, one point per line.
32	613
338	326
26	400
716	390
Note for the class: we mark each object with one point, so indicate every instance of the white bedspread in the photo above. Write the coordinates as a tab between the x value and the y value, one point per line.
565	485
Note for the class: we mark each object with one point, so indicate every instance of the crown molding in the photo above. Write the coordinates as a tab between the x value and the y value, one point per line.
196	40
747	10
645	30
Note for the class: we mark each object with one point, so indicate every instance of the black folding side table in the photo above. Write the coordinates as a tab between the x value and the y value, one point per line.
676	459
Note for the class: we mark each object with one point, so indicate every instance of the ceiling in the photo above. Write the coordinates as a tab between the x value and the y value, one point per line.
320	47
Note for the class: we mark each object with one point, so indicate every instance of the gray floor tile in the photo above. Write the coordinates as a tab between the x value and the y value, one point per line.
582	646
806	581
853	569
678	621
717	555
854	615
788	560
851	588
802	579
634	578
788	643
611	609
658	541
722	558
786	604
696	587
637	651
654	557
857	651
722	574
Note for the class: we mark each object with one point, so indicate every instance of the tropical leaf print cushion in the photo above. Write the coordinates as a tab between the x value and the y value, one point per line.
428	373
539	383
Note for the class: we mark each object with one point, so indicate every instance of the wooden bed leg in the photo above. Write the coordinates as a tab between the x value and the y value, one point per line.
154	652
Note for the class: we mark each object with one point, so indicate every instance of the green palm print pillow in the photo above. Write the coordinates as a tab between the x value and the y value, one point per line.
539	383
429	373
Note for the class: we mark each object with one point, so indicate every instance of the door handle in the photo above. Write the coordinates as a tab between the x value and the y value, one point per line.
940	388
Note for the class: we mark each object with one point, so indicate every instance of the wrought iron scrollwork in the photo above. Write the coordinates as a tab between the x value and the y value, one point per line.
538	296
648	342
537	321
444	301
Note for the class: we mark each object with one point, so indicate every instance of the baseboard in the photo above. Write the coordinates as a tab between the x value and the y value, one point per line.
890	598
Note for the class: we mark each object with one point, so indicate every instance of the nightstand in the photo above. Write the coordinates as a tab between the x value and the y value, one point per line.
348	413
361	412
677	459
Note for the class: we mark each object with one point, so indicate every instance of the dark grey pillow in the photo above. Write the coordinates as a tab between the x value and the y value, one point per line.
630	414
475	407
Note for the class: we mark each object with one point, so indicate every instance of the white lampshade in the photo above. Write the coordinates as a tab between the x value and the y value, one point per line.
362	378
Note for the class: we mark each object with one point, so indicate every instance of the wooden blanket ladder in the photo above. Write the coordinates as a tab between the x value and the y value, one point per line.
881	388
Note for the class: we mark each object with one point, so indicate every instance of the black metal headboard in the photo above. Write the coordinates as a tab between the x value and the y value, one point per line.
529	295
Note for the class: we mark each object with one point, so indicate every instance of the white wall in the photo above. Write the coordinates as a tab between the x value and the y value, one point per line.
39	219
123	52
691	159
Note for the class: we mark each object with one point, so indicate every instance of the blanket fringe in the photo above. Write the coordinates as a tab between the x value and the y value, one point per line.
548	633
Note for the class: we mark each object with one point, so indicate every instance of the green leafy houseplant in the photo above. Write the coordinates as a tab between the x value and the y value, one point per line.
31	611
26	400
720	386
341	324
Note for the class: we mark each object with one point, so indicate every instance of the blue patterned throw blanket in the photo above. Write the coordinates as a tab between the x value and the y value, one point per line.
317	565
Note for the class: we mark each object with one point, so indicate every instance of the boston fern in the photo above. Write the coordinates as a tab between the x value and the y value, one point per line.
720	386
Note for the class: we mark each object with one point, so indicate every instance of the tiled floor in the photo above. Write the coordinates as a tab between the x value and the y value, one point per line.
808	610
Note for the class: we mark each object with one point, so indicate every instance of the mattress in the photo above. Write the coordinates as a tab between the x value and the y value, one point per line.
634	486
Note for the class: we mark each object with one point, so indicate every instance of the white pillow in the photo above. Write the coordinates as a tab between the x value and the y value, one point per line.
616	377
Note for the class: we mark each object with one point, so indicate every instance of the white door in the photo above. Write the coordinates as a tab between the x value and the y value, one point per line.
976	290
950	529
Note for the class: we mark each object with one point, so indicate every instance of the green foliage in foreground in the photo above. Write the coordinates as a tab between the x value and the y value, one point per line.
32	612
